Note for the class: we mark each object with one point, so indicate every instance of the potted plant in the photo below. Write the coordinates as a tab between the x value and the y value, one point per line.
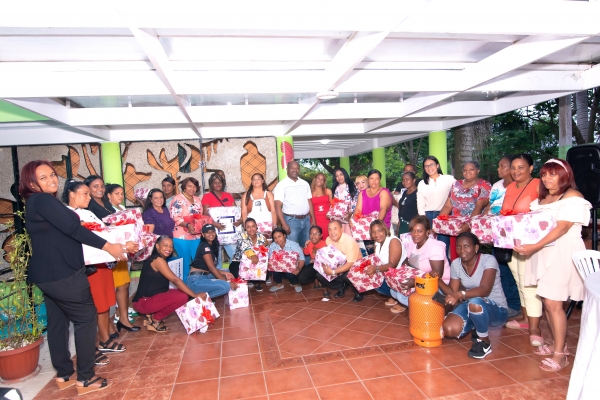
20	305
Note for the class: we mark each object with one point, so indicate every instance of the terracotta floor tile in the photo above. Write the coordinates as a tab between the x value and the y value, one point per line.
241	365
401	319
522	369
337	320
168	342
211	336
324	306
372	301
512	392
360	352
306	394
408	345
240	347
154	376
396	331
199	370
367	326
346	391
519	343
461	396
319	332
149	393
287	380
200	390
267	343
438	382
451	355
500	331
414	361
327	347
351	310
202	352
322	375
238	320
500	350
378	315
300	345
292	326
374	367
482	376
323	357
124	361
242	386
550	389
282	336
240	332
264	329
310	315
397	387
137	345
351	338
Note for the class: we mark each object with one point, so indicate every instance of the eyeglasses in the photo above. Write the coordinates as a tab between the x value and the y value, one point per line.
429	166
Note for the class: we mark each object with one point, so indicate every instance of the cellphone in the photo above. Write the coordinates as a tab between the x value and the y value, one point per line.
439	298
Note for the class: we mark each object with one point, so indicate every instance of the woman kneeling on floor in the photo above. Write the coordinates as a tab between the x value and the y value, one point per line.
153	297
482	304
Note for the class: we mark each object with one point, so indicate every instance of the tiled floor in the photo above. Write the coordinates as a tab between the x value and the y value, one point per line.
293	346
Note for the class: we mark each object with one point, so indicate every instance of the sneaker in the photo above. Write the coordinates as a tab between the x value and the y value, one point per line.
116	319
513	313
480	349
258	287
269	281
474	336
132	313
298	288
276	287
250	285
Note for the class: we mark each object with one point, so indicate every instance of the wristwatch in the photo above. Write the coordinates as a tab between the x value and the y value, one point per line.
464	294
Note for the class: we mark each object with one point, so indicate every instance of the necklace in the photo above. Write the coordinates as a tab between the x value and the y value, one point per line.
530	179
191	200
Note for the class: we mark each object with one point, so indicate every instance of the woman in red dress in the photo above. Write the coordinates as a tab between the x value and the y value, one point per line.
321	200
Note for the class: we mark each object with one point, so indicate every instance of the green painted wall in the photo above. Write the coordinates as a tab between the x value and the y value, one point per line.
345	163
112	169
11	113
438	148
285	154
379	163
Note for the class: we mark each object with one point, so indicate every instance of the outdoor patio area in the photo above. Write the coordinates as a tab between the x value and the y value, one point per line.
290	345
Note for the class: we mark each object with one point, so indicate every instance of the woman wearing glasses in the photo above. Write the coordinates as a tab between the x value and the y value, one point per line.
433	191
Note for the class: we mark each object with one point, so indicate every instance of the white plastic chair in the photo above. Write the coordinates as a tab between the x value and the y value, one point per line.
586	262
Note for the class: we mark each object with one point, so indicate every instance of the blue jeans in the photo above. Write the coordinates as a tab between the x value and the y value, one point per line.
207	283
509	286
384	289
230	250
402	299
278	277
431	215
299	229
490	315
186	249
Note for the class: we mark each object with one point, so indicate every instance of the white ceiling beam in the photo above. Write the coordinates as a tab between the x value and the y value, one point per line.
156	54
43	132
510	58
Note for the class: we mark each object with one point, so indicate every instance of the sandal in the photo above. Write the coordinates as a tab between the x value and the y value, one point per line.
157	326
397	309
148	320
318	285
65	384
86	388
536	341
100	359
391	302
549	365
516	325
545	351
107	347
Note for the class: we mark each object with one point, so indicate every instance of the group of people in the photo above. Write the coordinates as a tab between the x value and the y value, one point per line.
479	290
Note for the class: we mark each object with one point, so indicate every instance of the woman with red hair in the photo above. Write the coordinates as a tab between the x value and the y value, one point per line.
552	268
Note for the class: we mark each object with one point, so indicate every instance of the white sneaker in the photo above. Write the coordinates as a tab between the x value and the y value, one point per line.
276	287
269	281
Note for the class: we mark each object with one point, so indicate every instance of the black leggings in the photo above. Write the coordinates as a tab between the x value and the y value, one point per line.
338	283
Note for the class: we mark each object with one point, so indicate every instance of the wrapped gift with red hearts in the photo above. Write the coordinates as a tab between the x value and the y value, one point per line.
258	271
113	234
283	261
509	228
361	225
481	226
198	220
197	315
148	240
449	224
265	227
359	278
395	278
328	256
238	298
141	193
339	210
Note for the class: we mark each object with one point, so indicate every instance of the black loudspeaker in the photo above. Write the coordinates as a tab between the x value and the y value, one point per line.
585	161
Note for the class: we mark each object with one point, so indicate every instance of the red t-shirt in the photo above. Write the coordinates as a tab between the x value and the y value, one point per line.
311	246
209	199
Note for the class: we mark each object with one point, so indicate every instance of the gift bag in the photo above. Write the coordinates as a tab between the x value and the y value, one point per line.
252	272
396	276
198	220
481	226
361	225
527	228
197	314
141	194
283	261
331	257
227	216
176	266
148	240
449	224
113	234
238	298
360	280
339	210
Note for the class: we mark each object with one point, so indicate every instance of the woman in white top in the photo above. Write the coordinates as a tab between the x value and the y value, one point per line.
258	203
433	191
389	249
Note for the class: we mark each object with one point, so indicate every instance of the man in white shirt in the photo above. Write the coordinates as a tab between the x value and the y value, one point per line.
293	205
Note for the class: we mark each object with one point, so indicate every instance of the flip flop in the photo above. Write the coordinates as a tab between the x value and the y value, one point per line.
515	325
536	341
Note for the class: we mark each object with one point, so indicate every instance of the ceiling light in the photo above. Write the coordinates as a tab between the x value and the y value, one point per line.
324	141
328	95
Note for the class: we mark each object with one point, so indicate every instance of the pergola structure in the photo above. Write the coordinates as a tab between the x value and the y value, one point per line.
126	70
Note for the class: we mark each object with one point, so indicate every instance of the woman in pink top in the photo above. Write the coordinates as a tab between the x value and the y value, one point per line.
375	198
185	238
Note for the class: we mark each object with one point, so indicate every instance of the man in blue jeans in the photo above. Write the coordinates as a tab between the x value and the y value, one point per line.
293	205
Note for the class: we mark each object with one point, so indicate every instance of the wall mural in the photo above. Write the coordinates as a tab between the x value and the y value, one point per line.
146	164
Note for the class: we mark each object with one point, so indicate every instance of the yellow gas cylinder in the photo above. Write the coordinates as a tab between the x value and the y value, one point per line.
425	315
